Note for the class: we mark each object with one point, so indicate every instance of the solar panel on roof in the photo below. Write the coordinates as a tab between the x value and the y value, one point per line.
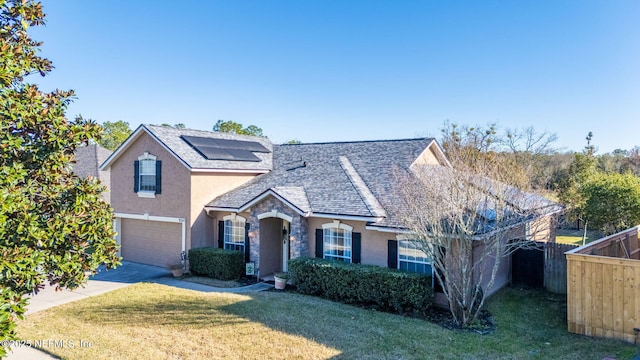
225	149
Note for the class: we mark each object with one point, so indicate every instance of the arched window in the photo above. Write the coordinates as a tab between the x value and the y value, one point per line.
147	172
337	241
234	232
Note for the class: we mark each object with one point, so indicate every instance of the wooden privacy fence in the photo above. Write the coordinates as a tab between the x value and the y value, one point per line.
603	287
545	266
555	267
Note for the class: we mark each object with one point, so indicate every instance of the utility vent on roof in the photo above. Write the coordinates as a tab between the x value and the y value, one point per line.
225	149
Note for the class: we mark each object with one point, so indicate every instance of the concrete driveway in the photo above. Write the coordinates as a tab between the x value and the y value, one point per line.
127	274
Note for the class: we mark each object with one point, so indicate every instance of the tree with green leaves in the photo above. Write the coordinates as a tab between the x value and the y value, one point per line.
175	126
115	133
611	201
54	227
233	127
572	181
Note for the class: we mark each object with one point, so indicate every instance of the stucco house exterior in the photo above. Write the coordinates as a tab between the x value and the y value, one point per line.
177	189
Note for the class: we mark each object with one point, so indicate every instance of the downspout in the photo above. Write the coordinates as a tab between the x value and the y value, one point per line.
183	254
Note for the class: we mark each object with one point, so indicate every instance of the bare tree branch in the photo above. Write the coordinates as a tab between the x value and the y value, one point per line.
467	223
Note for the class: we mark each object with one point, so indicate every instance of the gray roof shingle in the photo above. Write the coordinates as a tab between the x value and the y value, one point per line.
170	137
87	160
347	178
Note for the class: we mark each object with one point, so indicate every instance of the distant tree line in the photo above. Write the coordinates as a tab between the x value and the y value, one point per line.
598	190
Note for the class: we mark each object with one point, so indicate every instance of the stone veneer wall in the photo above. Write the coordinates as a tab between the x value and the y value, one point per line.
299	229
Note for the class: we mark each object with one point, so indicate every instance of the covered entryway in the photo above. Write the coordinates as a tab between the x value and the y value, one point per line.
150	242
274	245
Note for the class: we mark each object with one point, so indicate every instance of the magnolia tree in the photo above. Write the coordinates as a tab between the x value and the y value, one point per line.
54	227
467	224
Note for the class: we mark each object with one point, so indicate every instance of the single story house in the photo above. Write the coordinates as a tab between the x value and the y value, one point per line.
177	189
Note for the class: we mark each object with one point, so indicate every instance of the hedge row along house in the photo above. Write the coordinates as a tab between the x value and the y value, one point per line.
177	189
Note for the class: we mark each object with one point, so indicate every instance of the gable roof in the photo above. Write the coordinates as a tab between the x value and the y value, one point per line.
87	160
172	140
341	179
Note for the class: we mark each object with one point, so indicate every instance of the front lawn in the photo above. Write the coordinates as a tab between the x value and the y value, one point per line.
152	321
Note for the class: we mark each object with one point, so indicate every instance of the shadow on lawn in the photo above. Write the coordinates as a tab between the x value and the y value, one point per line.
528	323
192	312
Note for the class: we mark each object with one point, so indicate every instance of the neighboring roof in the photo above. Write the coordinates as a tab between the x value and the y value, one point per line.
171	139
87	160
343	179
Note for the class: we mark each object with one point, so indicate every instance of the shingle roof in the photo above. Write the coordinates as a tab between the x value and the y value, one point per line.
347	178
170	137
88	159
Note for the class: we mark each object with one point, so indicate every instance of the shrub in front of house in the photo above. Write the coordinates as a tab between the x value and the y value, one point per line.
217	263
366	285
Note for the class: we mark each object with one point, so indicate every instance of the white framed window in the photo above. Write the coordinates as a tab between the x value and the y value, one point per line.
234	232
147	182
411	257
337	241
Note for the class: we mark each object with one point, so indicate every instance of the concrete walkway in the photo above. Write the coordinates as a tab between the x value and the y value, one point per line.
127	274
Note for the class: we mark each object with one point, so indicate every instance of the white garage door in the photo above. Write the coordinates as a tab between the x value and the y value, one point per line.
151	242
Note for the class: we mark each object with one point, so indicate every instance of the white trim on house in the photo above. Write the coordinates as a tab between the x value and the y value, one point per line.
130	140
235	217
138	132
342	217
387	229
275	214
147	156
439	154
147	217
336	224
146	194
226	171
265	194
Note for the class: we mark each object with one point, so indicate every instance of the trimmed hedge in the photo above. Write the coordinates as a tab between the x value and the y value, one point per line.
365	285
217	263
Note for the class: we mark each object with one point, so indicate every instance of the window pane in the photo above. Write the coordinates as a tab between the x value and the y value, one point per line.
234	235
337	244
148	175
412	258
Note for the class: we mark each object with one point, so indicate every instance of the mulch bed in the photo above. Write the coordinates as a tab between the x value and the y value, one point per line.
483	325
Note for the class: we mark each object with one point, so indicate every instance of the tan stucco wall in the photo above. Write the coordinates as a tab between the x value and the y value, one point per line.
174	199
374	243
184	194
204	188
503	275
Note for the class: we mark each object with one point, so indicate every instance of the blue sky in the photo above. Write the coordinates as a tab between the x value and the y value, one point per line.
353	70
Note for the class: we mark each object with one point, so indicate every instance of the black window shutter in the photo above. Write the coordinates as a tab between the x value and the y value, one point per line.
136	176
158	177
221	234
319	243
247	243
356	246
392	254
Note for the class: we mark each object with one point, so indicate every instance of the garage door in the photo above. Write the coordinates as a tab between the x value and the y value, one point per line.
151	242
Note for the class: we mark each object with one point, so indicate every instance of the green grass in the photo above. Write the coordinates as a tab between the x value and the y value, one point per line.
573	236
152	321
